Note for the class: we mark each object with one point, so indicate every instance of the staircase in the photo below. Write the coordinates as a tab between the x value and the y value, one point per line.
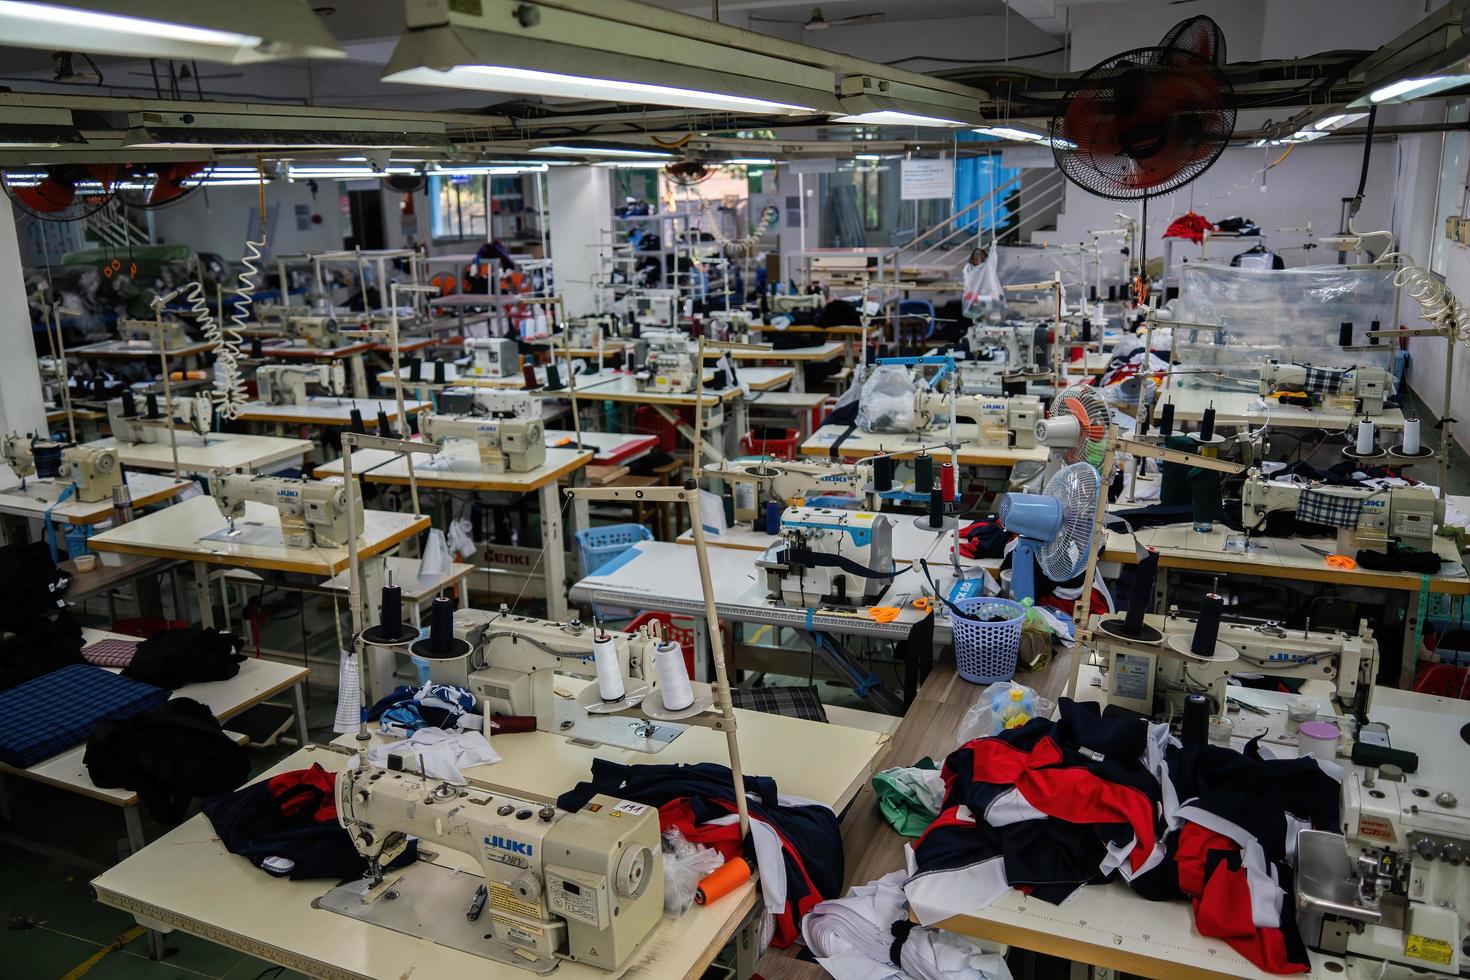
114	227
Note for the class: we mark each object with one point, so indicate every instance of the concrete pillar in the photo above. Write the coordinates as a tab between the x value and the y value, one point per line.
580	208
21	408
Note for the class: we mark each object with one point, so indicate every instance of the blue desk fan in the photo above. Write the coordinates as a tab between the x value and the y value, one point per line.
1054	527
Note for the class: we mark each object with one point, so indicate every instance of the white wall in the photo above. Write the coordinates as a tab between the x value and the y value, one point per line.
21	409
219	219
580	205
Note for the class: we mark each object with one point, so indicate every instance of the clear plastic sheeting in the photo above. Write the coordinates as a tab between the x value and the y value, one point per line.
1081	267
1291	315
887	401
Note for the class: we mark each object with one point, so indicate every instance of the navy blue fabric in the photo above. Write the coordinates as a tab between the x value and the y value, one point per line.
49	714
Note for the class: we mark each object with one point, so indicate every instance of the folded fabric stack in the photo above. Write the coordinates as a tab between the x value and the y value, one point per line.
868	936
51	713
1053	806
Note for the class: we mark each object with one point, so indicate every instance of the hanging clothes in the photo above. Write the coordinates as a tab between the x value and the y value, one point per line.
1189	226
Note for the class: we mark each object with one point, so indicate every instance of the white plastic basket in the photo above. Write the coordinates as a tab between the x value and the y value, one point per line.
985	653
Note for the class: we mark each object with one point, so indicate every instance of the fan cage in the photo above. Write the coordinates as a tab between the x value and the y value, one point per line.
1076	486
1086	405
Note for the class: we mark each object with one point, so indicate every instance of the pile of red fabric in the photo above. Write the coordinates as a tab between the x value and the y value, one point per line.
1189	226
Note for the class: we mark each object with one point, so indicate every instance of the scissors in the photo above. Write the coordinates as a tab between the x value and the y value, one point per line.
1343	562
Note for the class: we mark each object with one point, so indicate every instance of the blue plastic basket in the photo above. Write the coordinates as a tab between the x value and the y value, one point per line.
600	545
985	653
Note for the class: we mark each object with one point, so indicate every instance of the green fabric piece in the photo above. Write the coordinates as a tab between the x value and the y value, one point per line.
905	799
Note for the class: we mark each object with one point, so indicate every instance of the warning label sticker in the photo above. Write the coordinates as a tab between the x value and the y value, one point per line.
1432	950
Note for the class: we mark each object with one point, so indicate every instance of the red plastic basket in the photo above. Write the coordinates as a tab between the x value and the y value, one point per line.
767	442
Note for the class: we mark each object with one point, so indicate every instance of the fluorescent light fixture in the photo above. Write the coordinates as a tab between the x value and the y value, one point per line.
234	33
278	131
1328	123
587	49
891	117
751	162
603	151
866	156
631	165
471	169
1409	89
1304	136
347	173
226	182
25	128
1010	133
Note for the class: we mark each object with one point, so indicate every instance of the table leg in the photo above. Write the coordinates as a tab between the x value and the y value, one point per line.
134	822
553	552
204	594
302	736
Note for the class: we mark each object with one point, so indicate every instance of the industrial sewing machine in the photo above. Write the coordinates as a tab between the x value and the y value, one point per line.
492	357
313	512
1027	348
654	307
130	426
506	445
669	365
583	332
779	304
1003	422
494	403
587	887
1392	893
754	484
316	330
294	384
149	331
94	470
843	557
1154	679
1358	390
1408	515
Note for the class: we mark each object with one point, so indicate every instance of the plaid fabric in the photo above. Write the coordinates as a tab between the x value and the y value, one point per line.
48	715
793	702
110	653
1331	509
1325	380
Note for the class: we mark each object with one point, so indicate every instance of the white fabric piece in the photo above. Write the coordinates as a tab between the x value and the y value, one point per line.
851	938
1010	808
442	753
1266	893
937	895
349	696
770	859
461	545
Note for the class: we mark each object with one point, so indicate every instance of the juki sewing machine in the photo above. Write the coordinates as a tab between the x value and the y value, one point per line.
148	331
94	470
295	384
1392	893
320	331
843	557
494	403
313	512
586	887
194	414
1406	514
754	484
506	445
1154	679
492	357
1003	422
1358	390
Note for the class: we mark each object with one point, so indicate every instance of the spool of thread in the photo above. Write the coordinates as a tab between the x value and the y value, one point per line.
415	368
1166	419
947	481
609	675
773	516
553	376
130	404
1207	627
392	617
150	405
257	349
356	424
1207	424
1141	596
1086	330
722	881
385	428
438	372
936	507
1345	334
1411	436
923	473
673	675
1372	340
696	328
441	626
1195	729
1112	294
1364	445
1148	415
528	374
883	473
46	457
1092	294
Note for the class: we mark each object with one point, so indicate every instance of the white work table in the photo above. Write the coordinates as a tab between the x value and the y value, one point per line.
328	411
274	918
1246	408
906	445
220	451
910	542
39	497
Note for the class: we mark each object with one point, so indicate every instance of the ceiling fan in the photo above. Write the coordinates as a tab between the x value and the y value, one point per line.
816	22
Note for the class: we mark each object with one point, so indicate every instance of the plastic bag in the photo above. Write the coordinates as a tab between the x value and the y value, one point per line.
461	544
685	866
997	709
434	565
887	400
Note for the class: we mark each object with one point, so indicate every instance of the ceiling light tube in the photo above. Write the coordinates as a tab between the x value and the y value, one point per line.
892	117
1010	133
751	162
603	151
238	33
1409	89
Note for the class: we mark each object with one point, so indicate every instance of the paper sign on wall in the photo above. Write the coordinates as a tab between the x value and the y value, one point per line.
921	180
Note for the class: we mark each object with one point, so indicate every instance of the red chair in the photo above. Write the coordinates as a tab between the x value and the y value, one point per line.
779	443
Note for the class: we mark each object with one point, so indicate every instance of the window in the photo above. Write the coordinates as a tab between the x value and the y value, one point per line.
869	195
458	207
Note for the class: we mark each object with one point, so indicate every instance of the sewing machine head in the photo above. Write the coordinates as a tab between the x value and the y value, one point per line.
668	371
791	303
1003	421
586	887
1355	390
321	331
654	307
1026	344
1406	514
492	357
95	471
149	331
842	557
133	427
513	445
754	484
294	384
19	457
313	512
